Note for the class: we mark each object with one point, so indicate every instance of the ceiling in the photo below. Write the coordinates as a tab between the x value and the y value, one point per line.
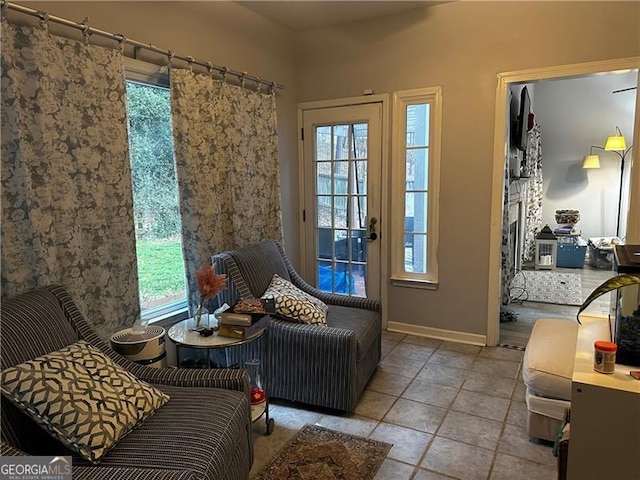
307	14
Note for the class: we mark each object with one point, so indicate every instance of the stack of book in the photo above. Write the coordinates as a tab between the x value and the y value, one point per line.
245	319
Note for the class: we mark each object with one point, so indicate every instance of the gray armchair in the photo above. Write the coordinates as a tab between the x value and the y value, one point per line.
317	365
203	432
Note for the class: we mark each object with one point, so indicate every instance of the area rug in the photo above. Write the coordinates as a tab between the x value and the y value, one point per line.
322	454
546	286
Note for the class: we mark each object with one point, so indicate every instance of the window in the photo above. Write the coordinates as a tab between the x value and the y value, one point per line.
417	117
341	165
161	272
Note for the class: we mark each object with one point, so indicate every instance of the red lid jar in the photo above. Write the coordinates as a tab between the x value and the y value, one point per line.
604	356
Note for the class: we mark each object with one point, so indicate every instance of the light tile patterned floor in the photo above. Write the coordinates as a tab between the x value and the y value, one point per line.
450	411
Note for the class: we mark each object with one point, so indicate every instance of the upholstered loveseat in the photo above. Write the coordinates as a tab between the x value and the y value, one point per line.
326	366
202	432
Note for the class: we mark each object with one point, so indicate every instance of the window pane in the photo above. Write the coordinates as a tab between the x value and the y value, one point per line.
341	142
342	279
340	177
360	132
360	177
359	246
417	169
324	211
358	283
156	210
323	143
416	210
340	212
323	178
360	212
341	244
325	277
415	253
325	243
418	125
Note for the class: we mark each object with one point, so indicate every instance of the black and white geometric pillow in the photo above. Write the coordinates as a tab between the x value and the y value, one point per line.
81	397
294	304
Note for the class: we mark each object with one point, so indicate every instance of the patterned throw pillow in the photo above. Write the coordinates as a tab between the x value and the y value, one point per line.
294	304
81	397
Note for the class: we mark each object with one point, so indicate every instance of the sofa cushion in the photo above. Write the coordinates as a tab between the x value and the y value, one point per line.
258	263
364	323
294	304
81	397
547	366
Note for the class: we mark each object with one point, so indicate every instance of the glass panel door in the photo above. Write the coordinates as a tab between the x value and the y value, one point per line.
344	225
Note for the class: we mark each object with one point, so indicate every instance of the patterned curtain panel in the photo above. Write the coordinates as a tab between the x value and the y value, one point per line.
507	271
67	214
533	209
226	146
533	221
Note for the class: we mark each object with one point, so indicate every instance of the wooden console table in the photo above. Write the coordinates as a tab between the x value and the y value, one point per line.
605	413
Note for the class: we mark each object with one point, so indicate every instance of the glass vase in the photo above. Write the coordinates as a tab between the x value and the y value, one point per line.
257	392
202	317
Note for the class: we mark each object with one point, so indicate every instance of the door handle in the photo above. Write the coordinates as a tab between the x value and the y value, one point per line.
372	229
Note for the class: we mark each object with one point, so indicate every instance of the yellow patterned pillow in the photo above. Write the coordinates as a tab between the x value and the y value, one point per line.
81	397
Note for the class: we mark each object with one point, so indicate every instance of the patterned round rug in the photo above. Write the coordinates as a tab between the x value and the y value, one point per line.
322	454
547	286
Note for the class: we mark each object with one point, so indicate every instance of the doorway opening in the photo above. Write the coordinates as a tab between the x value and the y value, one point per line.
562	188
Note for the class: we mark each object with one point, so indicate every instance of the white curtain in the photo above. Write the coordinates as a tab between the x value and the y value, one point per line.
67	214
226	146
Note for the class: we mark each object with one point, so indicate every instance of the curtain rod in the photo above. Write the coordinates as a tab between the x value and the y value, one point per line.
88	31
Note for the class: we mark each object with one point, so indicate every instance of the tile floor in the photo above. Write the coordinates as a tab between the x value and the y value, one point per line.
517	333
450	410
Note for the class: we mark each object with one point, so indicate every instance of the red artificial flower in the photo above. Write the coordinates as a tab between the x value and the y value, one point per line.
209	283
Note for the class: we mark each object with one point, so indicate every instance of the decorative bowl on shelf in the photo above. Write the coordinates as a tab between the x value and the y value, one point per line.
567	217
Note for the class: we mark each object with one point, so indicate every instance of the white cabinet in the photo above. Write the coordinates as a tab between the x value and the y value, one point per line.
605	414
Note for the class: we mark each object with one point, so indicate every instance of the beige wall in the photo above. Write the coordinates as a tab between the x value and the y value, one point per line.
461	46
224	34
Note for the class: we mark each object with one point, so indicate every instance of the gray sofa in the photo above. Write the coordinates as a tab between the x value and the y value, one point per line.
203	432
326	366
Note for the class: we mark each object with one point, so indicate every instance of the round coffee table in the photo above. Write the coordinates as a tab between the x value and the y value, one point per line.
183	334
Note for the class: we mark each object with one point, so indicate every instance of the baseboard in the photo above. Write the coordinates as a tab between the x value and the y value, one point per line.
437	333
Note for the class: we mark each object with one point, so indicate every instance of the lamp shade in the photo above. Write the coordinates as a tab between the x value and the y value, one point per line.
615	142
591	161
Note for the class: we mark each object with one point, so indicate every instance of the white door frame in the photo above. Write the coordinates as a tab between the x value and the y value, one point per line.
499	155
385	101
